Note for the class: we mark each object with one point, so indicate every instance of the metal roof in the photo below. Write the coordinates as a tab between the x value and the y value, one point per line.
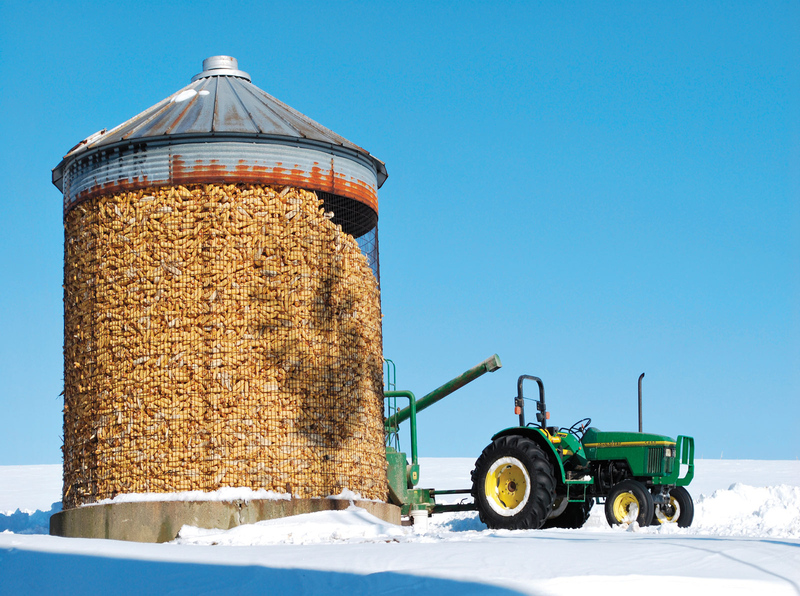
220	102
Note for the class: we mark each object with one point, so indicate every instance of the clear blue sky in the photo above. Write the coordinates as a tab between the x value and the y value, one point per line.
591	190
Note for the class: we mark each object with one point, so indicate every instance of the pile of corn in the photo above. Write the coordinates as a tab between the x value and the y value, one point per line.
219	336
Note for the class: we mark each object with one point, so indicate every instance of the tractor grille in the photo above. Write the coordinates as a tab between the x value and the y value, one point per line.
655	459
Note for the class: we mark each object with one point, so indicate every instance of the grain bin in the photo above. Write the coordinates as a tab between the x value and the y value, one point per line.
222	323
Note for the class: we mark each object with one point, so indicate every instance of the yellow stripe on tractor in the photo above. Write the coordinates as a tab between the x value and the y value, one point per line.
632	444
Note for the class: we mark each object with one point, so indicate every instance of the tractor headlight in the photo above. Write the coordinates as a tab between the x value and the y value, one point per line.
669	452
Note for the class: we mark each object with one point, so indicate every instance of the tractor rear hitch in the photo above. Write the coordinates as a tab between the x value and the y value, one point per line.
459	491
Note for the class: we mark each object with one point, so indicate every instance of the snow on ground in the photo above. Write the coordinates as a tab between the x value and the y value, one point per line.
29	488
745	538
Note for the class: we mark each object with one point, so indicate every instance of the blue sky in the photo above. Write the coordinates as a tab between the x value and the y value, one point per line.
590	190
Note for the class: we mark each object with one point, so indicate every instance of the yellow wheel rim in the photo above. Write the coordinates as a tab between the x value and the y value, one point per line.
507	486
662	516
626	507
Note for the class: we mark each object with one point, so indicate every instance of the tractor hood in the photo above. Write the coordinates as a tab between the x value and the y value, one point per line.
646	455
595	438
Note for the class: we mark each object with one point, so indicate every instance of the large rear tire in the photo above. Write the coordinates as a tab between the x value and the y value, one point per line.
574	516
680	509
513	484
629	501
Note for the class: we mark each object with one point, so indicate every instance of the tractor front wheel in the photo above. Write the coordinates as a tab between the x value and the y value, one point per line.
627	502
680	509
513	484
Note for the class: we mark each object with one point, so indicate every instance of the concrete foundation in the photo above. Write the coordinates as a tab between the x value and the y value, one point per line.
160	521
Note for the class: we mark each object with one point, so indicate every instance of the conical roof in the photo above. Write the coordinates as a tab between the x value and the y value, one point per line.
219	104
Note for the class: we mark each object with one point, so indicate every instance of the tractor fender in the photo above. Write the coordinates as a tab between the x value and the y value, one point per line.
535	434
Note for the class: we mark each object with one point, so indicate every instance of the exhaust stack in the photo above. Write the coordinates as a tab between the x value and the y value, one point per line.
641	376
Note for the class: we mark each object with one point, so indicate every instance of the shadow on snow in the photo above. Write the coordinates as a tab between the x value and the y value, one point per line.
32	572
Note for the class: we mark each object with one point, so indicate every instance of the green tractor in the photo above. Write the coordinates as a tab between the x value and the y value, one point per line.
538	476
535	476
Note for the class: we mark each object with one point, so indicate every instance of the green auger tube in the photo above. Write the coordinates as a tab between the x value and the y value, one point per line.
489	365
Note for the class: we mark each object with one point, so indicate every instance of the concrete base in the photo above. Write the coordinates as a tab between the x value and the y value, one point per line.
160	521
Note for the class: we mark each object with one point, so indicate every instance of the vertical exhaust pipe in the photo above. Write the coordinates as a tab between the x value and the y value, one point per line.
641	376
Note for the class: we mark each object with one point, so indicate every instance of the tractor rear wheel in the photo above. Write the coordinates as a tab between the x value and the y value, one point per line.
513	484
629	501
680	509
574	516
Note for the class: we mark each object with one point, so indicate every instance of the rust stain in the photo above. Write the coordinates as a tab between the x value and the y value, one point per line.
181	114
176	165
202	172
322	179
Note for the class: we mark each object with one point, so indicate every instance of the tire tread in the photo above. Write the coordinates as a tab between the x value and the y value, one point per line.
543	483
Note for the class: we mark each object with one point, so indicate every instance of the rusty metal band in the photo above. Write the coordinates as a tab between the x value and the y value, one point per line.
167	162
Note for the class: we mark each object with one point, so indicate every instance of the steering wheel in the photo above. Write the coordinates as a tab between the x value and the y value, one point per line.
579	427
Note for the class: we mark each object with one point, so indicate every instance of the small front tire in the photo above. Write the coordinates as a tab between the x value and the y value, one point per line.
629	501
680	509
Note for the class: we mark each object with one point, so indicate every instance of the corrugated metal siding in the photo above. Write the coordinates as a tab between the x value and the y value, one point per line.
257	161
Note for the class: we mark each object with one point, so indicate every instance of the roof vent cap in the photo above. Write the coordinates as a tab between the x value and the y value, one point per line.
221	66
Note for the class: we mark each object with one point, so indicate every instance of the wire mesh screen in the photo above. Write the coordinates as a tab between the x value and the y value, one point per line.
358	220
220	336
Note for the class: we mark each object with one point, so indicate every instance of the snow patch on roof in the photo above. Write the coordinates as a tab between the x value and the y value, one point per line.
184	95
